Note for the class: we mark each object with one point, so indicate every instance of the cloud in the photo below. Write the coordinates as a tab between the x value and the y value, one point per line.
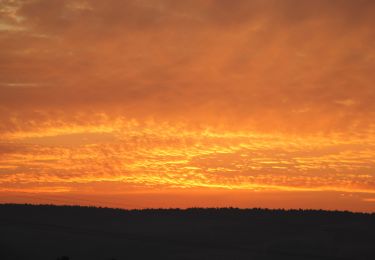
254	62
163	156
171	93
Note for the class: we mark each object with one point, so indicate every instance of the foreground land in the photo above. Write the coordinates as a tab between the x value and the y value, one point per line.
52	232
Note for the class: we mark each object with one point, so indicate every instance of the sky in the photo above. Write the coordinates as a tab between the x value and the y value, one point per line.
210	103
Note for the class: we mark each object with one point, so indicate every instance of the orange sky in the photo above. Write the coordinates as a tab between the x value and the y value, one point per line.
134	104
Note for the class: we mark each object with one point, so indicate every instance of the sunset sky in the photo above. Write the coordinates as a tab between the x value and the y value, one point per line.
148	103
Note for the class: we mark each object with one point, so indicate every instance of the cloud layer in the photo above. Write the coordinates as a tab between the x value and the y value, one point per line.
127	91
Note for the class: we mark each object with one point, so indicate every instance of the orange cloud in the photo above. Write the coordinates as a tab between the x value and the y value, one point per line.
158	95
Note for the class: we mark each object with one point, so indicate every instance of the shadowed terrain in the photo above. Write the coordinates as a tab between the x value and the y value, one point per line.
52	232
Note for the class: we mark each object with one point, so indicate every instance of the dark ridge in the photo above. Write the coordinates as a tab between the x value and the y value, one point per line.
193	209
74	232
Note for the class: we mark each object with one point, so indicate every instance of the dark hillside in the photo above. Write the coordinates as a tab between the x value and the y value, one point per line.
50	232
